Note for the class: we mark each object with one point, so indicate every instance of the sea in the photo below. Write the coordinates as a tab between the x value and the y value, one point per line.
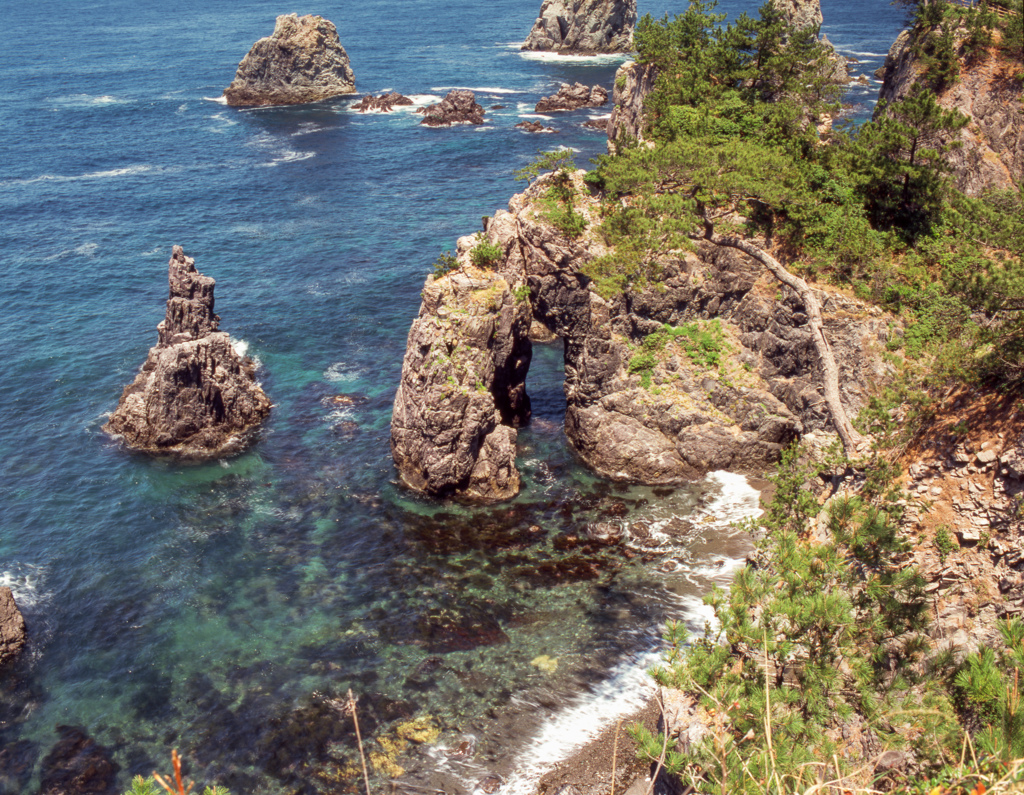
227	609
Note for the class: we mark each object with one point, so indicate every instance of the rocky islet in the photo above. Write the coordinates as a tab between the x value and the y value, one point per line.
13	634
583	27
302	61
195	396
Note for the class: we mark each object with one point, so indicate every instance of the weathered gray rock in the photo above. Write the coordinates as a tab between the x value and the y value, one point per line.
572	98
303	61
195	396
633	83
12	627
459	107
583	27
801	13
991	154
674	423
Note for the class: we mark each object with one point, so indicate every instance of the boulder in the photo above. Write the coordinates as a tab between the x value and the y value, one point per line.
385	103
459	107
195	396
583	27
303	61
573	97
12	627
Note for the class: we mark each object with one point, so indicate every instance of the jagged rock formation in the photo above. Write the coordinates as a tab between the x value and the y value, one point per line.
385	103
534	127
303	61
801	13
572	98
989	94
671	420
12	627
195	396
633	83
583	27
459	107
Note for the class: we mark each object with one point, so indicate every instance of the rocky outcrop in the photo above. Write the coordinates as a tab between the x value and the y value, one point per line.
195	396
459	107
534	127
642	405
12	627
385	103
801	13
583	27
989	93
572	98
633	83
303	61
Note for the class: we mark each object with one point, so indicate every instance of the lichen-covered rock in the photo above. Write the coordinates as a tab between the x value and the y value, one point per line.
573	97
195	396
583	27
303	61
459	107
989	93
12	627
642	404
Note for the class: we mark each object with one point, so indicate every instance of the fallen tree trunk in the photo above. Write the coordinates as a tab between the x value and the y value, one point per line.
852	440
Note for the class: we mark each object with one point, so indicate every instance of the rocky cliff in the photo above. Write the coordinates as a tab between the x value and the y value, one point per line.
988	91
302	61
195	396
710	368
633	83
583	27
12	627
801	13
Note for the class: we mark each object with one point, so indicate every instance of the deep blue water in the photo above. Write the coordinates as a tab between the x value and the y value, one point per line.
222	608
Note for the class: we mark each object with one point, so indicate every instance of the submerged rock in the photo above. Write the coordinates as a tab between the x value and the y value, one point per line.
303	61
385	103
459	107
78	765
573	97
12	627
195	396
583	27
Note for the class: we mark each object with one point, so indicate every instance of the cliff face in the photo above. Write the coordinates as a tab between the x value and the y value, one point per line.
303	61
583	27
195	396
989	94
633	82
641	406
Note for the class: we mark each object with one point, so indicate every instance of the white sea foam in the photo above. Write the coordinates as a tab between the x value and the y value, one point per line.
534	116
89	101
182	108
222	100
600	117
581	60
287	156
484	90
127	171
341	372
857	54
25	582
625	691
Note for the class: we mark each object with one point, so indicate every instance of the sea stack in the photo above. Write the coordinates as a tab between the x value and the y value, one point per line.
12	627
195	396
303	61
583	27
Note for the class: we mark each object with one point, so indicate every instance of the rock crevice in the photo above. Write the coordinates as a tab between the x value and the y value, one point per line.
195	396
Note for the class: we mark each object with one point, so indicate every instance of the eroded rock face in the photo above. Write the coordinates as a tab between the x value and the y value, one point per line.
195	396
989	94
459	107
633	83
674	419
302	61
573	97
583	27
12	627
385	103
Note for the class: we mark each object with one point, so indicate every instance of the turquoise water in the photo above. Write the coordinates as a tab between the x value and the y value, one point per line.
223	609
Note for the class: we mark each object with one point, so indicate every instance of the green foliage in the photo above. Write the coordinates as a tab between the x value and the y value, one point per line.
485	254
521	293
945	543
148	786
556	160
445	264
644	364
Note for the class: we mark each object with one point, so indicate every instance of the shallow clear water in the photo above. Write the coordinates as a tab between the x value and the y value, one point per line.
222	609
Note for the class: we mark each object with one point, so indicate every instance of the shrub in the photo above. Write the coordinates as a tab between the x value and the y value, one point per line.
485	254
445	264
